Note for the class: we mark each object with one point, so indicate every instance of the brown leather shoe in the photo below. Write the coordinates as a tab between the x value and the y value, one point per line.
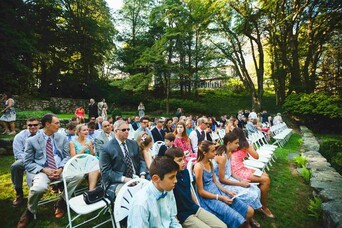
59	213
18	201
25	219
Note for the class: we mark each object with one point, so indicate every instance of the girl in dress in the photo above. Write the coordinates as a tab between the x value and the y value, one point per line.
245	173
183	141
8	115
145	144
79	112
250	193
213	196
82	145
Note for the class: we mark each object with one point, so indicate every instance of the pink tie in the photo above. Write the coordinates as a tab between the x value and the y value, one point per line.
49	155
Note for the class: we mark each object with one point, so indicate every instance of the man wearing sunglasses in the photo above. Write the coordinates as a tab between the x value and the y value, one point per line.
144	122
17	168
120	160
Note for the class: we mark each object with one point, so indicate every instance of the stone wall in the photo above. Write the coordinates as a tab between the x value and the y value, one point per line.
63	105
326	182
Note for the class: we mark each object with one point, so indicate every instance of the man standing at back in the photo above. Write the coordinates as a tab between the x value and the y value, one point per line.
17	168
120	159
46	153
199	134
92	109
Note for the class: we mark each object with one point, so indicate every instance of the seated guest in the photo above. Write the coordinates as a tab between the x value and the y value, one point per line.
98	123
182	141
144	122
168	126
69	131
92	133
136	123
169	140
145	143
199	134
250	127
82	145
17	168
79	113
158	132
46	153
277	119
229	180
174	122
188	124
155	205
245	173
188	211
103	137
215	198
120	159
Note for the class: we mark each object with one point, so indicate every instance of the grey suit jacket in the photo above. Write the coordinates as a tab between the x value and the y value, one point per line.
35	152
100	140
112	163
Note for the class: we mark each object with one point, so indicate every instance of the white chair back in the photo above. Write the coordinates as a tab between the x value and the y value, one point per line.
155	148
190	168
123	201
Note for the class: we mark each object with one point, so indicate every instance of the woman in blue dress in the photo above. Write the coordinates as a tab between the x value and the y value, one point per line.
212	196
82	145
248	192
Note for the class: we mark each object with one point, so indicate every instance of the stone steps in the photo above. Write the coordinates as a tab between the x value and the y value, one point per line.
326	182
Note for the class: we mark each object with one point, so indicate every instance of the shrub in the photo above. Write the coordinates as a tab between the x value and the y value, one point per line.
300	161
27	114
306	174
116	112
315	207
318	110
54	109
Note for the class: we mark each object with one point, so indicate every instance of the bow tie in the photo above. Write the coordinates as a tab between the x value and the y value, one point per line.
162	195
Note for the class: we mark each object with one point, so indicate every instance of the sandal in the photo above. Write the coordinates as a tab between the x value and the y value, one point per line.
254	223
267	212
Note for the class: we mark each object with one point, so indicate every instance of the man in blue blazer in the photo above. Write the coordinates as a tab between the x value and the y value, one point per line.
46	153
120	160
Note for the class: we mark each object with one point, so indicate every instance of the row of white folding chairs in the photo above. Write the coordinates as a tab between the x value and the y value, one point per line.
281	133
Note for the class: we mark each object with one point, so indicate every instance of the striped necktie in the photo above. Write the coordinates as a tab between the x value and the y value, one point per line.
49	155
128	161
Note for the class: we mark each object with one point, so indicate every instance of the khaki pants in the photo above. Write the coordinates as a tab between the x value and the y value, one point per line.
203	219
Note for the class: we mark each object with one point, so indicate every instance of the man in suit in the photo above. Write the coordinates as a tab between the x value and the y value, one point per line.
158	133
17	168
199	134
92	109
46	153
136	123
105	136
120	159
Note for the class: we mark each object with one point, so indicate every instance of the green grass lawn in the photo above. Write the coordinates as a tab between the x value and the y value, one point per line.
289	196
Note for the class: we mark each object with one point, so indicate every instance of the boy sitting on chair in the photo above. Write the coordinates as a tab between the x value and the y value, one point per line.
189	212
155	205
169	140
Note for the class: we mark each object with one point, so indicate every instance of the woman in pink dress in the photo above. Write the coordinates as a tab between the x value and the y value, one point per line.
79	112
240	170
183	141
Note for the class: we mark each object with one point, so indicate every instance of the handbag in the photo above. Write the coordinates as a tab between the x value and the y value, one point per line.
94	195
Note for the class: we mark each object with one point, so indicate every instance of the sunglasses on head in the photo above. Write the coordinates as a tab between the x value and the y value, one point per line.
124	129
32	125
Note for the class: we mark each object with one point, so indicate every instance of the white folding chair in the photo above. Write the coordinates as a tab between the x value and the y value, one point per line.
80	165
155	148
190	168
124	199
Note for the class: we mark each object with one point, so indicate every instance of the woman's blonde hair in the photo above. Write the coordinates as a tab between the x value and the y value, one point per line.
143	140
78	128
